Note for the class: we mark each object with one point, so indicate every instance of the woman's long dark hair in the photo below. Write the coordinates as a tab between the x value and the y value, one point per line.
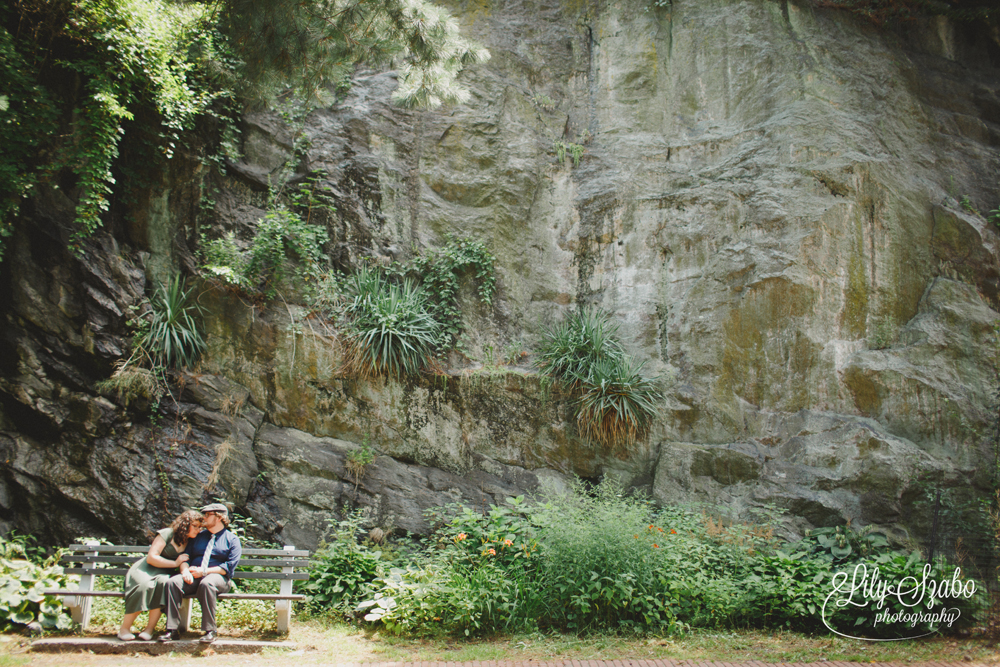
182	525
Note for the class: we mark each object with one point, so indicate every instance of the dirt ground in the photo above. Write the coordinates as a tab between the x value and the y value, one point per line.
319	643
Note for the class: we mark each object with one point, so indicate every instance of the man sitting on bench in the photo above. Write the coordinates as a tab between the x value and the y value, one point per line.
214	553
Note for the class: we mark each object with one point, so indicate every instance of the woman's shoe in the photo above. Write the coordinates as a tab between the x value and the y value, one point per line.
145	636
125	636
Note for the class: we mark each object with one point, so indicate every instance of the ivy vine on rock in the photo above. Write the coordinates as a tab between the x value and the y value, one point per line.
440	273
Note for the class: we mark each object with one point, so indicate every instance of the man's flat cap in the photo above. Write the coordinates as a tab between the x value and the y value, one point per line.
215	507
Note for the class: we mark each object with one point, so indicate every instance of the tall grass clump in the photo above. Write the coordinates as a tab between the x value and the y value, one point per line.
572	348
174	337
616	403
166	335
392	333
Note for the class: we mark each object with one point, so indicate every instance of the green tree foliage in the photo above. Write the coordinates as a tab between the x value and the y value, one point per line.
76	76
308	43
82	80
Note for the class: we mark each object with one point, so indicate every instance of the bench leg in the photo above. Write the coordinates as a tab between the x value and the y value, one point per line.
284	609
185	619
79	609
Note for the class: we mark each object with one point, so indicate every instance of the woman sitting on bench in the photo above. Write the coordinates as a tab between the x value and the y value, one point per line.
145	584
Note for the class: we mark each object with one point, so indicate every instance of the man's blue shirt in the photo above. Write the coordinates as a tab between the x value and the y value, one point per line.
225	553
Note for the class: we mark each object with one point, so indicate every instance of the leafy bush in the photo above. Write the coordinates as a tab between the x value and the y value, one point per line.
602	563
597	559
439	273
282	232
789	587
341	569
439	594
279	236
580	561
223	259
23	583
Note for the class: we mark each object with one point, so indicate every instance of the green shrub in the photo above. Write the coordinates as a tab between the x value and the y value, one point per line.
789	587
504	533
282	232
598	559
223	259
440	595
23	583
439	273
341	569
580	561
280	236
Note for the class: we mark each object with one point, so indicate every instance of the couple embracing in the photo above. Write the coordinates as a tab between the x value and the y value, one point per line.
196	555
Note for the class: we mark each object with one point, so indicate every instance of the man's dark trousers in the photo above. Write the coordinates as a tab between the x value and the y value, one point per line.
206	589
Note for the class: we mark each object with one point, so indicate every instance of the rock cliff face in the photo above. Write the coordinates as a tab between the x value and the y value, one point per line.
767	199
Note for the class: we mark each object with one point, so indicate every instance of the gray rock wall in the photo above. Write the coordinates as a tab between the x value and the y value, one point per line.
767	201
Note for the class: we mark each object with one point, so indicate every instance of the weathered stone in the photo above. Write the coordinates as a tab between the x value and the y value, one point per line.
765	200
822	468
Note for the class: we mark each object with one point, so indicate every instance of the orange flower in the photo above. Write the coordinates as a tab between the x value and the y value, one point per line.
461	536
493	552
673	531
650	527
636	536
660	529
656	546
507	543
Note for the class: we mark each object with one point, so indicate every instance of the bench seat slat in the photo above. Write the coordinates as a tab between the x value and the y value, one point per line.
222	596
111	572
244	562
274	562
107	548
111	548
259	596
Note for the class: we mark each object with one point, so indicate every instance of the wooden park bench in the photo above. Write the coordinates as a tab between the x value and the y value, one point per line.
94	560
